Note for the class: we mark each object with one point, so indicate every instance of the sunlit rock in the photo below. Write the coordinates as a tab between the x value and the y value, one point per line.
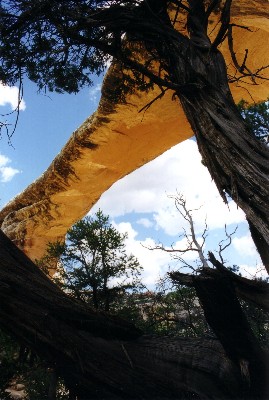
117	139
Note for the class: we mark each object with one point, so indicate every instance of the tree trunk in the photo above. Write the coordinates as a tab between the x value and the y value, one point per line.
236	160
103	357
223	313
52	391
225	316
250	290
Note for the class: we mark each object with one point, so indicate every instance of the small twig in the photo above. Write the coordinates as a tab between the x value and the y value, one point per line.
180	5
223	246
243	66
127	355
211	7
225	21
243	69
159	96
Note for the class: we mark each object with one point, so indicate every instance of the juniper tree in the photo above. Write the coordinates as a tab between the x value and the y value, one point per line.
256	117
61	44
94	264
219	290
58	45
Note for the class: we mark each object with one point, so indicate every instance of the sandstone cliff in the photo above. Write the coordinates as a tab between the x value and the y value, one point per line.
117	139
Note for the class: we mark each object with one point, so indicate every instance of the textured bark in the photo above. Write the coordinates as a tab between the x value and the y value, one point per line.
237	161
250	290
223	313
256	292
261	244
102	356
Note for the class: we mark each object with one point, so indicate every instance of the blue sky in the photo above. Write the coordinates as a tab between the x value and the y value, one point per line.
45	124
139	203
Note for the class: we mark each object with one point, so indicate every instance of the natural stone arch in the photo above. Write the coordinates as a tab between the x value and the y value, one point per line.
117	139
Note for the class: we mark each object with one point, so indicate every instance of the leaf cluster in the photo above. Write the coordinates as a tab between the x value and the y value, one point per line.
18	365
51	43
93	263
174	312
256	117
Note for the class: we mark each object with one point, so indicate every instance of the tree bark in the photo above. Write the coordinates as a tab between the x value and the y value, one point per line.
52	391
223	313
236	160
254	291
103	357
225	316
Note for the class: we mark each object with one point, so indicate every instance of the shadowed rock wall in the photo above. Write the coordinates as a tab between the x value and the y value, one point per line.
117	139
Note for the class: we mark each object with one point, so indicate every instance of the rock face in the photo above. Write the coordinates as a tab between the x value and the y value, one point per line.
117	139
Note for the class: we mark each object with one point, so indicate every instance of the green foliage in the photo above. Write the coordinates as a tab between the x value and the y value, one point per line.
30	371
37	381
95	267
60	45
44	43
256	117
167	312
9	367
178	312
259	321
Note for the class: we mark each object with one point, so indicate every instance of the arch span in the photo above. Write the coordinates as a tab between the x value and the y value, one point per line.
116	140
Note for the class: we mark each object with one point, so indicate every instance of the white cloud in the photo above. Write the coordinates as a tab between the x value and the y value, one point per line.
95	92
255	271
157	262
146	189
9	95
154	262
6	172
145	222
244	246
3	160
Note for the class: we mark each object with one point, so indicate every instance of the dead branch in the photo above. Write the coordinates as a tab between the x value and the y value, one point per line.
222	245
250	290
225	21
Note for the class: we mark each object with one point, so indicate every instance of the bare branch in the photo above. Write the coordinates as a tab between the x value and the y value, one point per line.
225	21
192	243
159	96
250	290
222	245
183	279
179	4
211	7
5	125
180	203
242	68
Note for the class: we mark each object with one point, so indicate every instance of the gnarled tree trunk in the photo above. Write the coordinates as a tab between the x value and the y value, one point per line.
236	160
217	291
102	357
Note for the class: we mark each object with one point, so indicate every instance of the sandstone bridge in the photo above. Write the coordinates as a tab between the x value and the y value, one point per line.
117	139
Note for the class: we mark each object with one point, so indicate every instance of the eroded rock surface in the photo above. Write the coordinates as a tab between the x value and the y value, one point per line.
117	139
